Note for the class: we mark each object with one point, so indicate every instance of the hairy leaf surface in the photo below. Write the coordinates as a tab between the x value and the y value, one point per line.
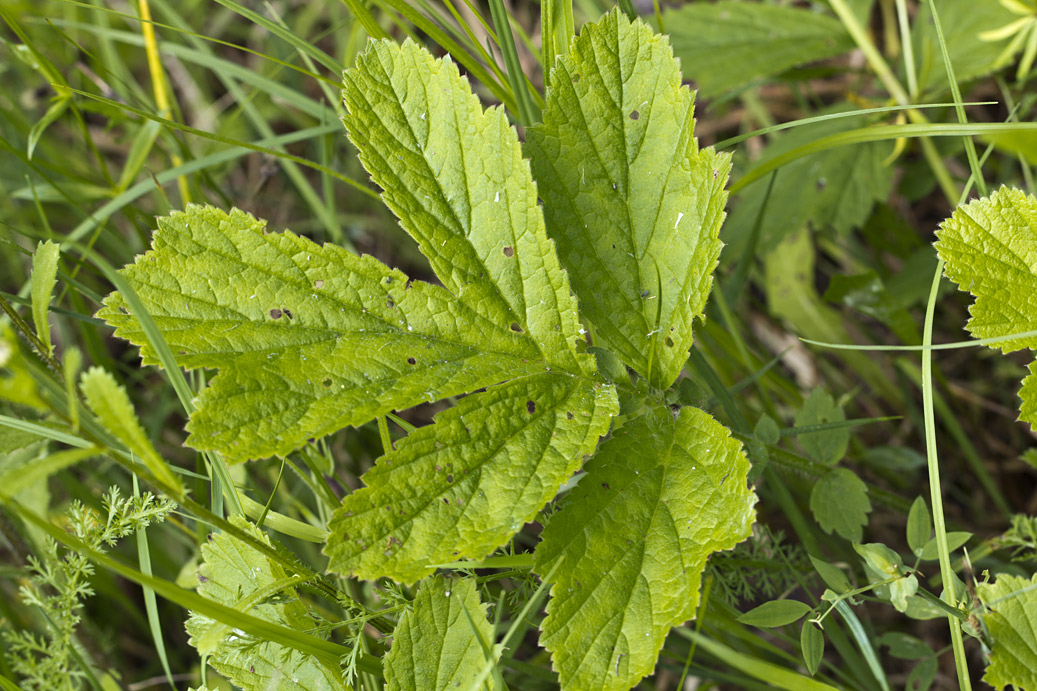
660	496
990	246
437	644
237	575
633	203
454	175
308	338
1013	657
723	46
461	487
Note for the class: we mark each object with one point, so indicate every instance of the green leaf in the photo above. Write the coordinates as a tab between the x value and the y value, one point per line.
16	382
828	446
767	430
963	22
633	203
659	497
461	487
237	575
1011	602
990	251
955	539
308	338
833	576
435	645
454	175
44	278
110	403
919	526
726	45
839	502
812	644
774	613
837	188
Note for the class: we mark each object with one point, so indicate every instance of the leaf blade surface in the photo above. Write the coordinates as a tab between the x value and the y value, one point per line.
459	488
632	202
660	496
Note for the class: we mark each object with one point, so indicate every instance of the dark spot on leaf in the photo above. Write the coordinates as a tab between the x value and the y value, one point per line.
576	77
326	382
569	415
388	279
275	313
288	313
446	501
605	485
716	174
181	352
644	294
449	478
668	342
821	183
634	115
123	310
411	361
509	251
516	328
390	303
202	579
531	407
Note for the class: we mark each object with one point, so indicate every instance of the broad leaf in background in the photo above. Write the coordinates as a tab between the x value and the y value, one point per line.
726	45
839	502
16	382
1011	602
444	642
990	247
461	487
633	203
237	575
836	188
308	338
966	27
827	446
454	175
659	497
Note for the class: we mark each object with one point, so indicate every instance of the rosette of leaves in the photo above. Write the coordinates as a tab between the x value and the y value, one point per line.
309	339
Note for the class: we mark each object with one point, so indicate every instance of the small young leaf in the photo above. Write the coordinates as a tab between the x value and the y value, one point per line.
812	644
919	526
989	249
839	502
767	430
829	446
1011	602
461	487
633	203
109	402
434	645
659	497
833	576
237	575
774	613
955	539
44	278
